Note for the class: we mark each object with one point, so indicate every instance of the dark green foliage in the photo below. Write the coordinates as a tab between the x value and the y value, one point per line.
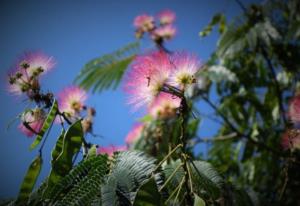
206	181
106	72
63	163
128	173
49	120
148	195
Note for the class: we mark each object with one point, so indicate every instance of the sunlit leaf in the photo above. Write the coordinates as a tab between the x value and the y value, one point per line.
106	71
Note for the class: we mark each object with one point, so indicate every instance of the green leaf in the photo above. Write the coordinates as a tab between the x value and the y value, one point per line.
106	71
29	180
207	177
198	201
128	173
204	176
148	195
50	118
71	145
83	184
217	19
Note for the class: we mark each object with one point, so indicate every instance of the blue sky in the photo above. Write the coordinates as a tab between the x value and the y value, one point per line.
73	32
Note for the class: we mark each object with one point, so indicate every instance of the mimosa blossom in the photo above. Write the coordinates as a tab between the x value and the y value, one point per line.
24	75
36	61
144	22
166	17
109	150
164	32
146	78
34	119
294	109
185	68
71	101
164	106
134	134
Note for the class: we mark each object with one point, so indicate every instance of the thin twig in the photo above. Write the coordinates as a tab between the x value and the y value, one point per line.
167	156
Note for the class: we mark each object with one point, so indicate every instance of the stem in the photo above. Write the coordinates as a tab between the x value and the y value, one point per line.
183	116
167	156
170	177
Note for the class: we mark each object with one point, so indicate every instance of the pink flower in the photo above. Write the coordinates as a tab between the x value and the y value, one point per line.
34	119
166	17
164	32
291	139
71	101
37	60
185	68
144	22
294	109
164	106
109	150
147	76
134	134
24	75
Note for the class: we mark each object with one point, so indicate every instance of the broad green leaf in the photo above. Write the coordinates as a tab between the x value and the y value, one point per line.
198	201
50	118
71	145
106	71
148	195
29	180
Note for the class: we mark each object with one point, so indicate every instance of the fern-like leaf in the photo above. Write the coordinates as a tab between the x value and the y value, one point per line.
106	71
129	172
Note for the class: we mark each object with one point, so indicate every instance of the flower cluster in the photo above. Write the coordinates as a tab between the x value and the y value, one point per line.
164	106
150	74
163	30
71	101
24	76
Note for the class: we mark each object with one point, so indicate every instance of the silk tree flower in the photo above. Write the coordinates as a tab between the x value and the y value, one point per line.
24	75
166	32
164	106
134	134
294	110
37	62
166	17
109	150
71	101
146	78
185	68
291	139
144	22
34	119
